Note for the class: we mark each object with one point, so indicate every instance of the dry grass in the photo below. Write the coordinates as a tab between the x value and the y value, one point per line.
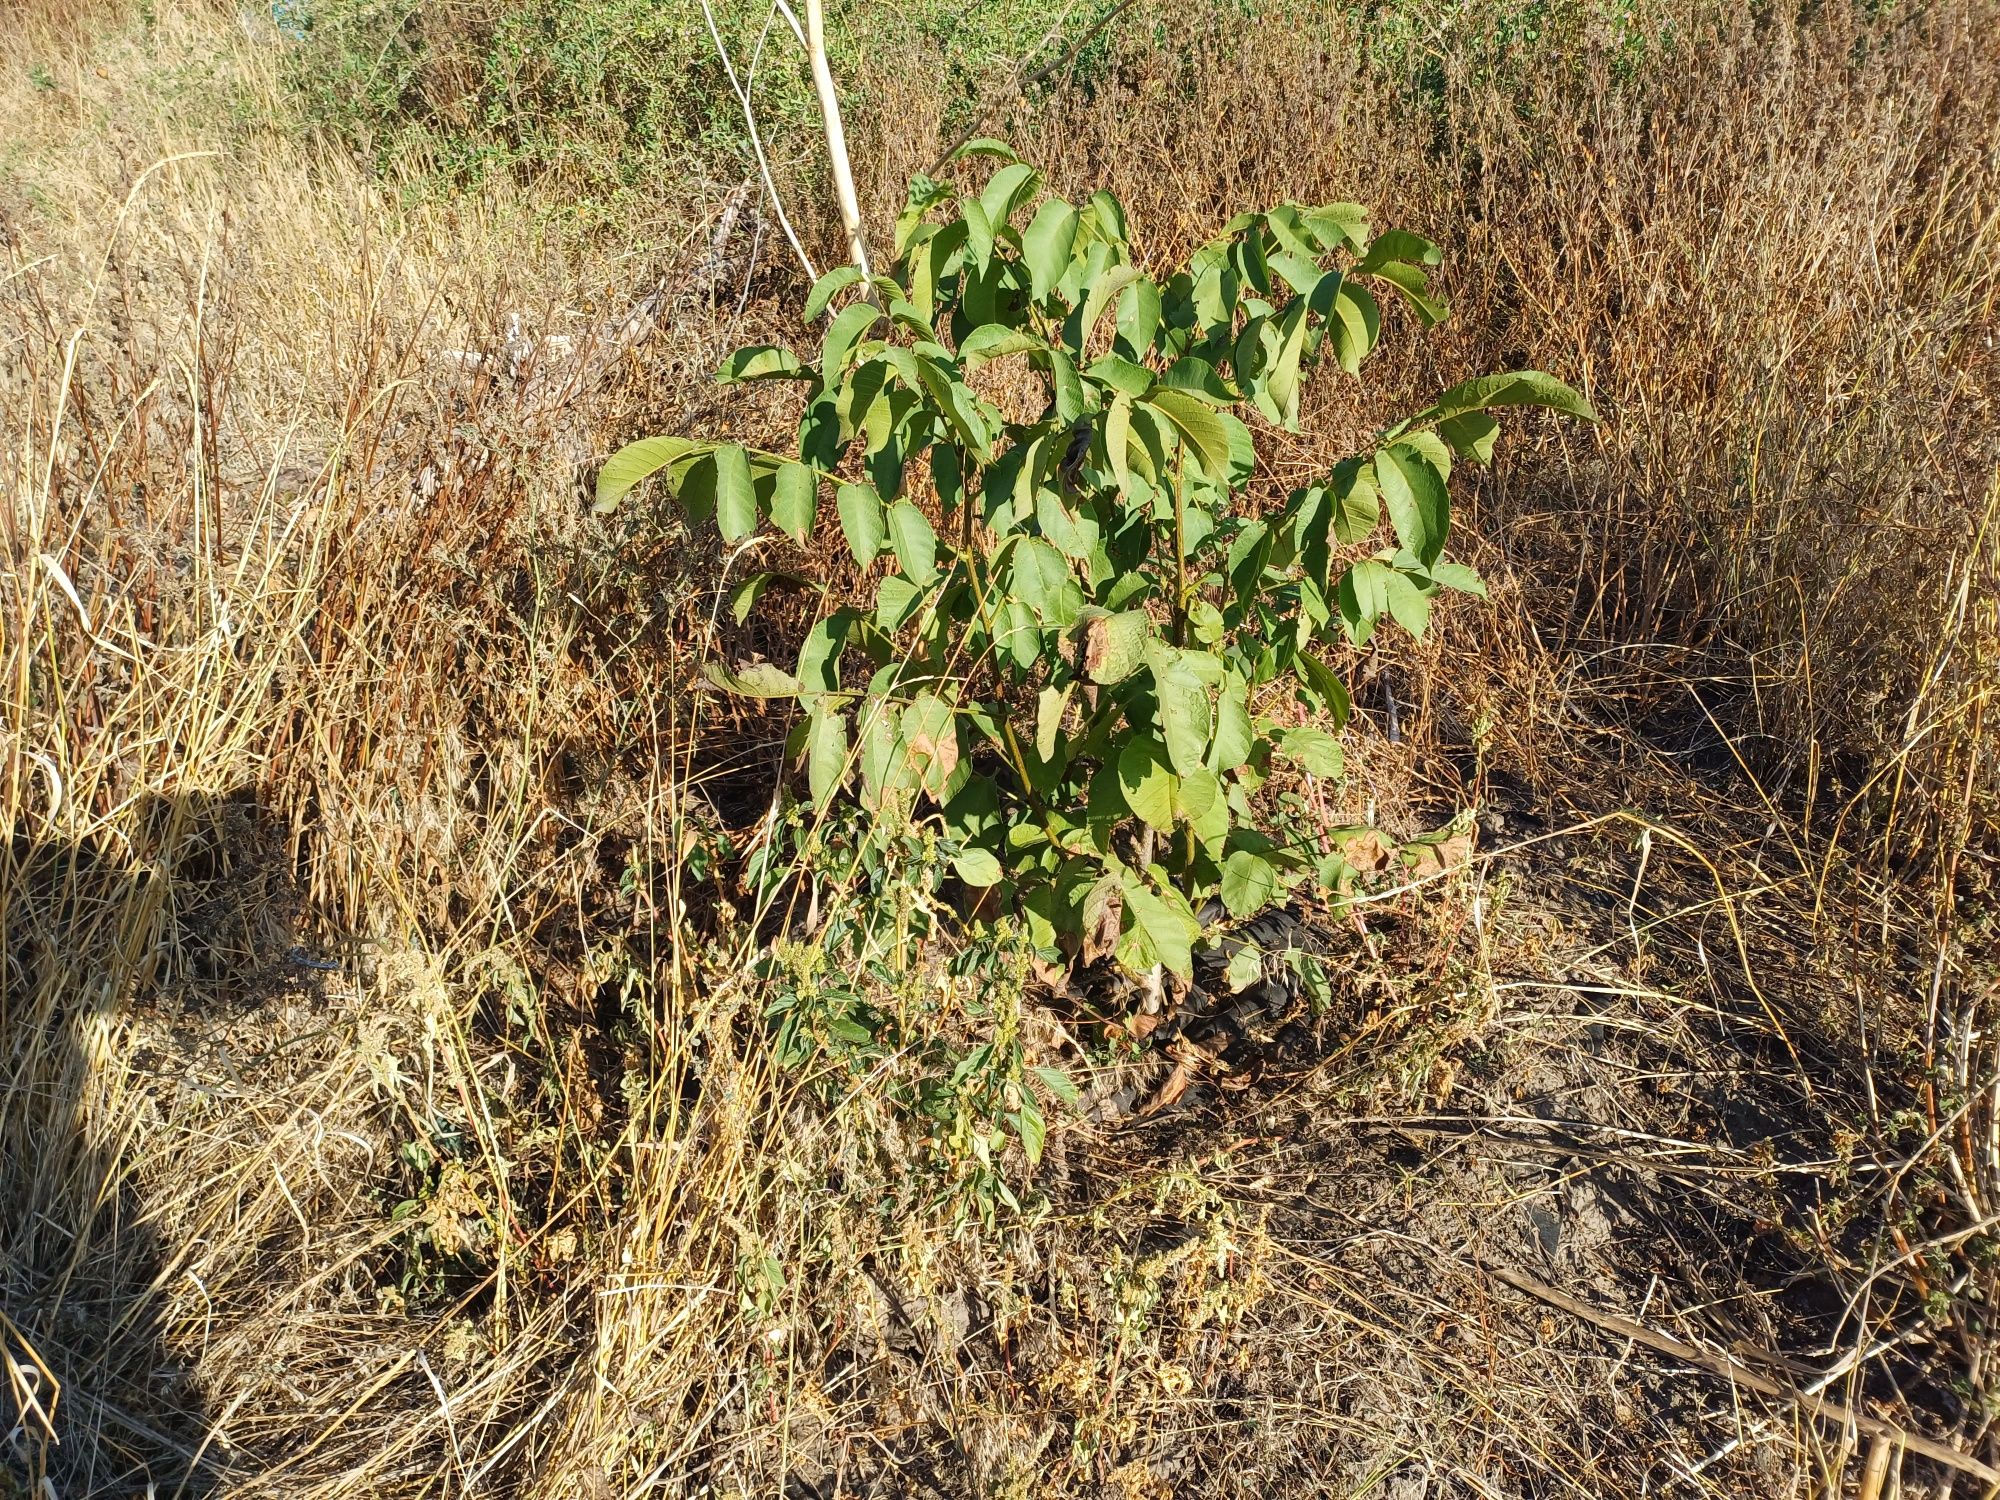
386	1106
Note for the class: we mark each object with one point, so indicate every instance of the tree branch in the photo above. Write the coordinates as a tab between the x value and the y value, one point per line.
756	141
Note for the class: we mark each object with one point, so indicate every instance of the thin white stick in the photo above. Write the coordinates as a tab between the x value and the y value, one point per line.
757	143
791	18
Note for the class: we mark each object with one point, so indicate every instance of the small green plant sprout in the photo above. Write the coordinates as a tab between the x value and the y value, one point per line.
1074	668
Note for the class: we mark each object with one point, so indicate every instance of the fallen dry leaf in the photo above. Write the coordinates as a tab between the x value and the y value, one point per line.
1443	1079
1190	1062
1435	859
1055	976
1368	852
1170	1091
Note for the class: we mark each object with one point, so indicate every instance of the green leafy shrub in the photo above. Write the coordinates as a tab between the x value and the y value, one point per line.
1081	680
595	91
605	93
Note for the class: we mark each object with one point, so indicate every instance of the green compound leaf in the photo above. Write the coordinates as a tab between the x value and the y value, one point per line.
826	755
1049	709
1202	427
861	522
1234	736
1146	779
1418	506
1006	190
1364	599
1042	581
984	145
794	500
1200	800
1183	708
641	460
1408	604
735	495
1046	245
827	288
763	362
1159	927
1471	435
1458	576
914	541
1357	507
1521	388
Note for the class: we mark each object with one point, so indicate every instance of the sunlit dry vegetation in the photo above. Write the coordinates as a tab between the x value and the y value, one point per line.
395	1088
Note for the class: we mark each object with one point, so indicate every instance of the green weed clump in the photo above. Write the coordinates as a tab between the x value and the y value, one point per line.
600	92
608	94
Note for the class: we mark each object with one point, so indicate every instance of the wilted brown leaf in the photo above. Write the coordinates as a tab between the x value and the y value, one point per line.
1190	1062
1096	647
1170	1092
1103	914
1109	648
935	757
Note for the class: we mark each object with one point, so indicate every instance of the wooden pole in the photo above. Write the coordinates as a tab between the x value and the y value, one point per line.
836	137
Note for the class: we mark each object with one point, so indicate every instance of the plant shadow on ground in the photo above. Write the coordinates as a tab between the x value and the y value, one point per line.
189	913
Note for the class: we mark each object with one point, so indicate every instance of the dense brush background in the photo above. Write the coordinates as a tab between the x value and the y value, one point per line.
385	1101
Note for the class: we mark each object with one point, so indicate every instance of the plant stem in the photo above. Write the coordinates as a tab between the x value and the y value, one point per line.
1014	750
1180	553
